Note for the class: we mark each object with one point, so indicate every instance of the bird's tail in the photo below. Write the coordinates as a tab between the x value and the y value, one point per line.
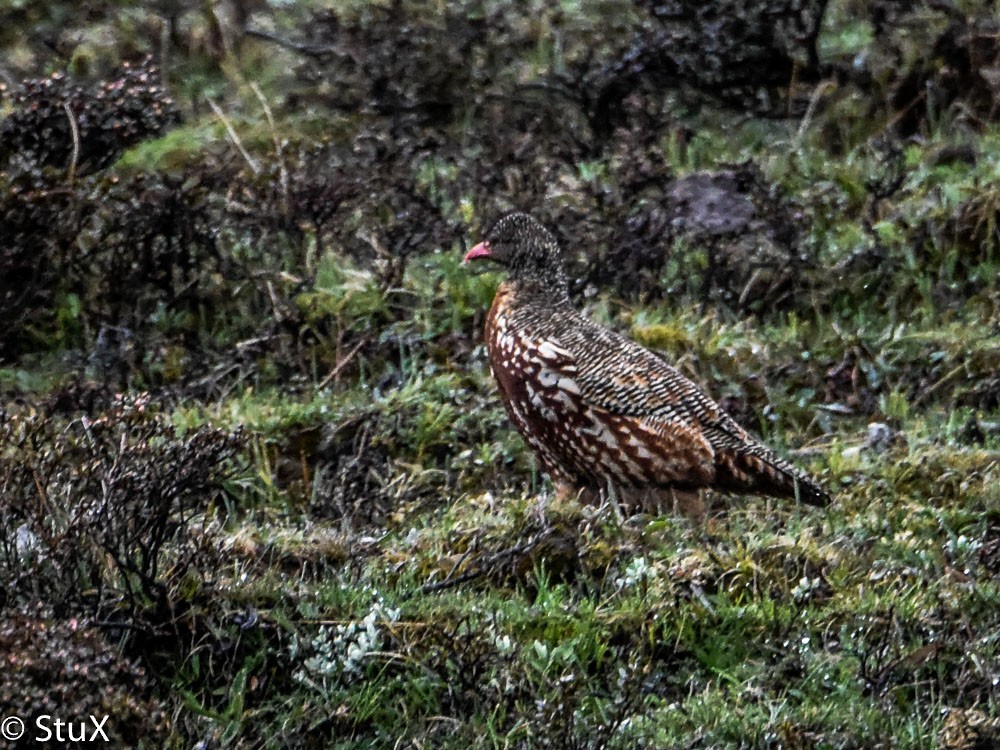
761	471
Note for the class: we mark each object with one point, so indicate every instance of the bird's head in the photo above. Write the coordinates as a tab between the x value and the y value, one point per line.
528	252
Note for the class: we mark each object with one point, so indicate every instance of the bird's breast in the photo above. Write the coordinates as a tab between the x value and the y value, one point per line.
540	388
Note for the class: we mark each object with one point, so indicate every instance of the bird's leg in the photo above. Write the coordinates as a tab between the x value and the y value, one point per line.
689	503
565	493
611	496
569	498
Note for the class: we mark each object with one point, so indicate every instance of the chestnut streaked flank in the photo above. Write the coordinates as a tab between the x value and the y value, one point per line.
600	411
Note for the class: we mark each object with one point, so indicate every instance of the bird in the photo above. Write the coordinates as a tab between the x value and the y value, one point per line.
608	419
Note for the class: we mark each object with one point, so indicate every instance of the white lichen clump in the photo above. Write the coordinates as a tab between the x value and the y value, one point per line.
637	572
337	651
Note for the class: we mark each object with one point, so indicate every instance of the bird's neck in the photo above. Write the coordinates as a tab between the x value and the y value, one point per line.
549	288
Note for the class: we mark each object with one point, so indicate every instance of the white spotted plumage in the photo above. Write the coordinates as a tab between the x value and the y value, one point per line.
597	407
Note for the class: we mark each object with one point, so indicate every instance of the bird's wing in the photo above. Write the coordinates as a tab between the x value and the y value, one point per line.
609	372
626	379
621	377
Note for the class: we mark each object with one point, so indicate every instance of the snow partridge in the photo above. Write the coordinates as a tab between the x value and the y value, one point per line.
606	417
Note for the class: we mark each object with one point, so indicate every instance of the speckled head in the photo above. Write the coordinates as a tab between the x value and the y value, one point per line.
528	251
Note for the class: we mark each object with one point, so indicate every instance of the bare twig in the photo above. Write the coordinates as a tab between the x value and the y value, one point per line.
309	50
335	372
751	283
71	170
232	135
448	583
275	305
278	150
485	565
811	110
950	377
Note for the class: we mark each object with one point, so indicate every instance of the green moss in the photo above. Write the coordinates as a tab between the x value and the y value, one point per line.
180	147
667	338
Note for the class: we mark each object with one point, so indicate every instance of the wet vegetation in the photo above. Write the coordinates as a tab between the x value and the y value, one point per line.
256	486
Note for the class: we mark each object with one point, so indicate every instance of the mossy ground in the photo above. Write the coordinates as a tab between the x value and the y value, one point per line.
381	564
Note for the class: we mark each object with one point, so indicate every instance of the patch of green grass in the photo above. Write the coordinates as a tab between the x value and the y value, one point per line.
392	569
180	147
